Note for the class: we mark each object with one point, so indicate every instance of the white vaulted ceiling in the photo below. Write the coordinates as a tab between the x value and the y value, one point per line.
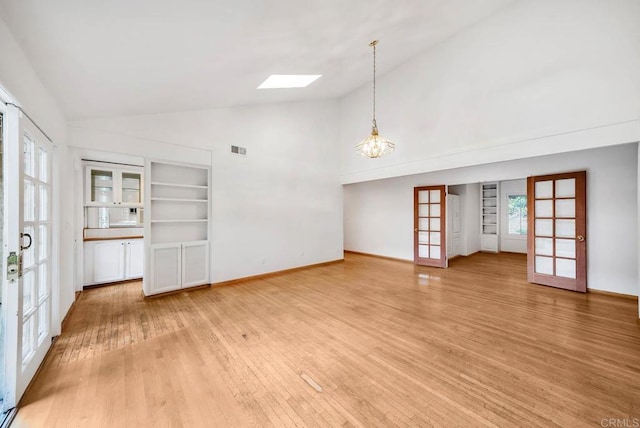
117	57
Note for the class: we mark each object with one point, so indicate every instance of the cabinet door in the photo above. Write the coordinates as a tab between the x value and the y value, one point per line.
100	186
134	262
195	263
108	261
166	269
130	189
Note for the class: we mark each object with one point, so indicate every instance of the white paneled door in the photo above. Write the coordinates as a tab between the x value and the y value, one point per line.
29	230
429	226
556	241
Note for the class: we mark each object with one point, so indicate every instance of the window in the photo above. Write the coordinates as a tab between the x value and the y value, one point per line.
517	213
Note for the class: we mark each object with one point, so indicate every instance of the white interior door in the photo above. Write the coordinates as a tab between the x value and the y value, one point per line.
28	231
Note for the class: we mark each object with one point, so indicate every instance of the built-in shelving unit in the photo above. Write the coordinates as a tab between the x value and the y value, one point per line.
178	226
490	215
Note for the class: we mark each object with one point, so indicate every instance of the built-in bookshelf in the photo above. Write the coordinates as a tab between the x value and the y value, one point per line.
178	226
490	217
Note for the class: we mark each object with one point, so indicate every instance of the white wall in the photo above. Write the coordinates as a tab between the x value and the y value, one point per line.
279	207
511	243
378	215
540	77
469	216
19	79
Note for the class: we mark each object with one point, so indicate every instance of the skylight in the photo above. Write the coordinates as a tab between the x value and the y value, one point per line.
280	81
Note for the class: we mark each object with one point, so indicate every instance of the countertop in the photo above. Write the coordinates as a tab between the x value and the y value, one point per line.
112	238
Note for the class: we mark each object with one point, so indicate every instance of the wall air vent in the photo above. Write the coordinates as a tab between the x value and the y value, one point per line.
239	150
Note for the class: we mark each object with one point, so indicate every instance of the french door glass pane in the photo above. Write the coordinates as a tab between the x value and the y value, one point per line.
42	281
43	322
423	210
423	237
43	239
544	189
435	238
544	246
544	265
565	208
28	255
44	202
566	248
28	288
566	188
27	339
544	227
566	228
423	223
423	251
434	225
44	166
544	208
434	197
435	210
435	251
29	157
423	197
566	268
29	201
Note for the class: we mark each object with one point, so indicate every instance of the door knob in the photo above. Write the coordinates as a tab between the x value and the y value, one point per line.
415	230
580	238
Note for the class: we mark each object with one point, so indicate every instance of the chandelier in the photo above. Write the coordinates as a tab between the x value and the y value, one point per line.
374	146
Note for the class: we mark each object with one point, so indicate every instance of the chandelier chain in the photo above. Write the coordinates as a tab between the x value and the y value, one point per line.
374	83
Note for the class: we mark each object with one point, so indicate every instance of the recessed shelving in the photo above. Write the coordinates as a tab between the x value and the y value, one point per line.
179	203
489	222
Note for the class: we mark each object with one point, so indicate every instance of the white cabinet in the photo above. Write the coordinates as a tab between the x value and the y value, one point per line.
108	262
113	260
177	229
109	186
134	259
195	263
165	273
176	266
490	214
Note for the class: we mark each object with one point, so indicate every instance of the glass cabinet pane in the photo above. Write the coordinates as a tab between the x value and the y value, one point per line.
131	185
101	186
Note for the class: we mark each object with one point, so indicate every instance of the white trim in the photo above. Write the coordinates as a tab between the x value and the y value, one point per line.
5	96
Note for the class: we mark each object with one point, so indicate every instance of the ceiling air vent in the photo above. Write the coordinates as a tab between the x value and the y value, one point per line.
239	150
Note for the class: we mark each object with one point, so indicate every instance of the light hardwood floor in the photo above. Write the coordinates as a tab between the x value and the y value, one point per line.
388	343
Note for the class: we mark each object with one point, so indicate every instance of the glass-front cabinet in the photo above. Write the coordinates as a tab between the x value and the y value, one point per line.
106	186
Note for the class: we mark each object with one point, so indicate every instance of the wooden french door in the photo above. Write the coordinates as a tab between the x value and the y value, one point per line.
557	226
429	225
